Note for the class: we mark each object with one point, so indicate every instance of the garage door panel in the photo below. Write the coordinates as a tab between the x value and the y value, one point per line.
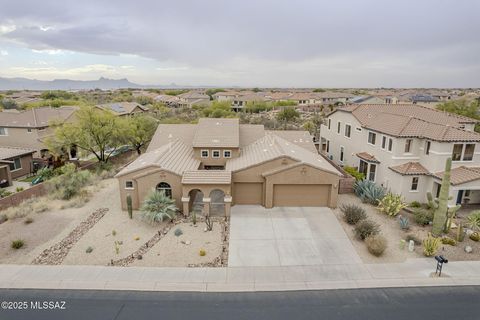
248	193
302	195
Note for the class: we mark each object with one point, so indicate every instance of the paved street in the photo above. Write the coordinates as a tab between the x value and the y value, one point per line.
460	303
285	236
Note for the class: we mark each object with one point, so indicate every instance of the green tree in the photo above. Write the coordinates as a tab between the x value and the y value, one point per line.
310	127
95	131
219	109
211	92
462	107
139	130
287	115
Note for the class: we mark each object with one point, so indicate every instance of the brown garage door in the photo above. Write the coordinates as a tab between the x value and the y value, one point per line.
248	193
301	195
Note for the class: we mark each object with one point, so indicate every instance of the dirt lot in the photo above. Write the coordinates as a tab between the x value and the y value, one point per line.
390	228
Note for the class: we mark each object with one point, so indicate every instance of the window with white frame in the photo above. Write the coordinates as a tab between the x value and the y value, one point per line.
29	130
372	138
227	154
128	184
427	147
414	186
339	127
408	145
348	130
384	142
390	144
216	154
3	131
463	152
204	153
372	172
342	153
16	165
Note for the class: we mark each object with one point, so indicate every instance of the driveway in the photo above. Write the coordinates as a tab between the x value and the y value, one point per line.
287	236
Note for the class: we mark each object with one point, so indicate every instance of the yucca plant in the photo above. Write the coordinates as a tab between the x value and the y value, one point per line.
368	191
430	245
391	204
157	207
473	220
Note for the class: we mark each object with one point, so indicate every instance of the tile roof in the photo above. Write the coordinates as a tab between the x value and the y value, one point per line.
207	177
412	121
212	132
11	152
175	157
410	168
167	133
35	117
122	108
461	175
367	157
301	138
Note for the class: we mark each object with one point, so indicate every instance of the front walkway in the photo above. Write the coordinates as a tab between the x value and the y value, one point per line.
285	236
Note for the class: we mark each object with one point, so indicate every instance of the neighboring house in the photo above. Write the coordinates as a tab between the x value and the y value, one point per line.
218	163
330	97
30	128
169	101
123	108
373	100
194	98
404	148
240	102
15	163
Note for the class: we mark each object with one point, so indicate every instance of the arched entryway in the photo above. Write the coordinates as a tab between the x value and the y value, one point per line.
217	203
165	188
196	201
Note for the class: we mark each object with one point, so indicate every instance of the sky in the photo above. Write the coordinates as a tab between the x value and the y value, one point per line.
250	43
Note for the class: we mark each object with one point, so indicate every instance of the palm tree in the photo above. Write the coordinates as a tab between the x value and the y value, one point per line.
158	207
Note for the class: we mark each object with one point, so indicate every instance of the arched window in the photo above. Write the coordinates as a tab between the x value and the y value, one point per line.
165	187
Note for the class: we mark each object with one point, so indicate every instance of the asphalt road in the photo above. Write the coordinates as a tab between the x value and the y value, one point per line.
437	303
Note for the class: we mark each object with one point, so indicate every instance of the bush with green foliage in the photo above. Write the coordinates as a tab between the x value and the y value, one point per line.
391	204
366	228
415	204
430	245
368	191
17	244
68	184
45	173
353	213
354	173
376	244
4	193
157	207
473	220
422	217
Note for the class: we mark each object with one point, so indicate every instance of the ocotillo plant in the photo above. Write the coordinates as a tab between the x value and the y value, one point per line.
440	213
129	206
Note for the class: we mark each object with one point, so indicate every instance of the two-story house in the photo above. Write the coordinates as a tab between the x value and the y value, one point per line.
404	148
218	163
30	128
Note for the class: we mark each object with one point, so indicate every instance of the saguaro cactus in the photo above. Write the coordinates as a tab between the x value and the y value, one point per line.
129	206
440	213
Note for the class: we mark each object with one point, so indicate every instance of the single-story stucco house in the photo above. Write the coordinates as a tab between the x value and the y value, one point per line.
14	163
217	163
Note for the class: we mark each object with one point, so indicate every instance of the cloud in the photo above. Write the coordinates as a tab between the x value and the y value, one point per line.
3	53
374	40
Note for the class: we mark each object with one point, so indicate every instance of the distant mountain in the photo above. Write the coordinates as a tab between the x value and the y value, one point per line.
64	84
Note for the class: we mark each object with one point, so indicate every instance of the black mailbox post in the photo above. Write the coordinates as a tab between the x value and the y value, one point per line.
440	261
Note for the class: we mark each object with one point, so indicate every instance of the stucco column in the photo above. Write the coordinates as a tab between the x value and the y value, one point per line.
206	207
185	202
228	205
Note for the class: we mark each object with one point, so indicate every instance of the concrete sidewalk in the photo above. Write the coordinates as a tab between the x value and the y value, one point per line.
415	272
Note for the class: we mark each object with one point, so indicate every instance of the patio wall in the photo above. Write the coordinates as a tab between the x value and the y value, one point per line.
18	197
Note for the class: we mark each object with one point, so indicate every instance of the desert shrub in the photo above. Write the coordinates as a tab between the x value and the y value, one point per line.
19	189
449	241
3	218
105	170
178	232
366	228
415	204
422	216
45	173
28	220
354	173
17	244
473	220
4	193
353	213
376	244
40	207
430	245
404	223
415	240
89	250
68	184
78	201
368	191
20	211
158	207
202	252
475	236
391	204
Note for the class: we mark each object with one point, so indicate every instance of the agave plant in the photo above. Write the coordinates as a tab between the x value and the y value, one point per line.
368	191
430	245
158	207
473	220
391	204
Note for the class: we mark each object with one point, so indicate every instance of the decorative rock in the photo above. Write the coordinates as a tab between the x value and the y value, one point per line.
139	257
411	246
205	230
468	232
188	242
468	249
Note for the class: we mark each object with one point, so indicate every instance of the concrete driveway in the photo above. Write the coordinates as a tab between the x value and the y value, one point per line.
287	236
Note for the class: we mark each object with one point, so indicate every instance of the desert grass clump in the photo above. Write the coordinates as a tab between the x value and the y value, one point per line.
157	207
89	250
353	213
202	252
366	228
17	244
28	220
3	218
376	244
178	232
20	211
422	217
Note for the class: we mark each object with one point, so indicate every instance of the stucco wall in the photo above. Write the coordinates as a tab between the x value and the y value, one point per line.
210	161
26	169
